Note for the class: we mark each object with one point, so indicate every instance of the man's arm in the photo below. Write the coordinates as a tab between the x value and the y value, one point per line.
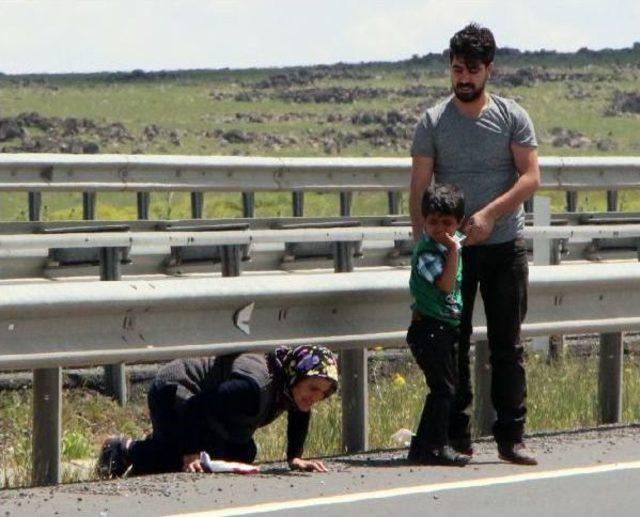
421	175
482	222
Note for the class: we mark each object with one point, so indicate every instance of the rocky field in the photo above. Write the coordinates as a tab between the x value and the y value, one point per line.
583	103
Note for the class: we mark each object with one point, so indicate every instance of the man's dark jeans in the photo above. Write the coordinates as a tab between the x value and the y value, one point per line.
502	273
433	343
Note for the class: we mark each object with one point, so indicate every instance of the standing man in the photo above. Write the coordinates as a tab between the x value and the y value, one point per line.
486	145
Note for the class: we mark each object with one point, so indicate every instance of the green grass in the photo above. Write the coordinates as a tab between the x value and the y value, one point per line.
561	396
177	205
183	102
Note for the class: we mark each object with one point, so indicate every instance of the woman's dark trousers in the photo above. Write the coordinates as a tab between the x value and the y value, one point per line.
162	450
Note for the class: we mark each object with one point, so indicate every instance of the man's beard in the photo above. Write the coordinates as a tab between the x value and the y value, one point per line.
467	95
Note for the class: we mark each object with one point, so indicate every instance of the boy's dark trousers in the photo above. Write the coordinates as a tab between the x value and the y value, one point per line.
433	343
502	273
161	451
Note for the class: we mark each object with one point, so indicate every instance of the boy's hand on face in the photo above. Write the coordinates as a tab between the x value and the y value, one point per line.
450	242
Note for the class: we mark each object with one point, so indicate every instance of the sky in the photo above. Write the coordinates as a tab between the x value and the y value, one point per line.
50	36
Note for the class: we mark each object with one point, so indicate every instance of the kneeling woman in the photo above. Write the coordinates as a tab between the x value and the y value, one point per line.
216	404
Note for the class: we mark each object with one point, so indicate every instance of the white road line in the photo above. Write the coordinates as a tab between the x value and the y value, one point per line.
410	490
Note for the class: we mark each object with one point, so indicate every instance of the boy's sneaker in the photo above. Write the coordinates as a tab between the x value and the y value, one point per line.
516	453
114	460
462	446
443	456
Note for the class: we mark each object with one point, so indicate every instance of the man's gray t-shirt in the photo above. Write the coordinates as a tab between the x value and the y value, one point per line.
475	154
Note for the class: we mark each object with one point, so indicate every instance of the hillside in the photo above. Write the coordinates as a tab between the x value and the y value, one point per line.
585	103
582	103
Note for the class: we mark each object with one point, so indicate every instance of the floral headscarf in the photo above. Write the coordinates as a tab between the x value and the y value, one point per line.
307	361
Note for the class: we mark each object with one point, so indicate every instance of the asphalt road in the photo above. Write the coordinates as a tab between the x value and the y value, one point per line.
586	473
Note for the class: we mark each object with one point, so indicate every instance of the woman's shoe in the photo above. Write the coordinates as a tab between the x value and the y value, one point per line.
114	460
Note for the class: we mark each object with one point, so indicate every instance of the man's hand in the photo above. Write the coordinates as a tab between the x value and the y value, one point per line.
307	465
478	227
191	463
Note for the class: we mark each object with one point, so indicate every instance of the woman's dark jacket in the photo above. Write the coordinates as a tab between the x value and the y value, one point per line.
228	398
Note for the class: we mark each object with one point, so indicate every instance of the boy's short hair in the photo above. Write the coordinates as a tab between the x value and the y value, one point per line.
443	199
472	44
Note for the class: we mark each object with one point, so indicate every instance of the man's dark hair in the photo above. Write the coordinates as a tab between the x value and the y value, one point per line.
472	44
443	199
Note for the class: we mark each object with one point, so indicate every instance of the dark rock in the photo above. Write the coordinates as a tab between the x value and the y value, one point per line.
624	102
334	94
236	136
174	138
367	117
90	148
151	132
562	137
10	129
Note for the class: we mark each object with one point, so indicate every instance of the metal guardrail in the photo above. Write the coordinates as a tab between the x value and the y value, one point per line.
45	327
145	173
166	251
73	324
11	243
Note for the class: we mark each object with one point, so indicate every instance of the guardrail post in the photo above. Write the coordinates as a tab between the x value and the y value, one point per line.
346	199
248	205
47	426
354	375
89	205
230	260
394	200
115	378
143	201
571	204
610	378
546	252
343	257
297	202
485	415
35	204
197	205
542	250
612	200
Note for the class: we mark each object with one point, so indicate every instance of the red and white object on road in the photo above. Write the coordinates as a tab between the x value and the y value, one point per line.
220	466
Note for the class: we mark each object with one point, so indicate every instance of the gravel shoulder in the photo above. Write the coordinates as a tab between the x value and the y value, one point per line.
178	493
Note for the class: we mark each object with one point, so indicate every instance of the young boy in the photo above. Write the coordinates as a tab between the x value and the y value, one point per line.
436	275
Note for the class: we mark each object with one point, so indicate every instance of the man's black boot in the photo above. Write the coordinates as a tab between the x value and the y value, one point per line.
516	453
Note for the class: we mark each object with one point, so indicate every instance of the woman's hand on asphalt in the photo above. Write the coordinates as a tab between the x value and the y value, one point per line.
307	465
191	463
